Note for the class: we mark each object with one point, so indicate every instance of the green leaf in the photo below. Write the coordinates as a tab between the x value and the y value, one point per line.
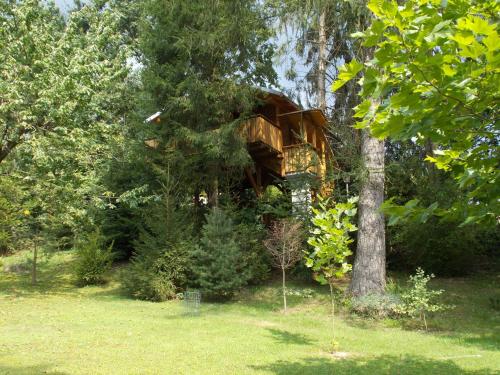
346	73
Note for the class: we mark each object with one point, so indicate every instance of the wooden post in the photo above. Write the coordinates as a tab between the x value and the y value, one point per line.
250	177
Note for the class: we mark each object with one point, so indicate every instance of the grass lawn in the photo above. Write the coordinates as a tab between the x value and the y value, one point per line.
57	328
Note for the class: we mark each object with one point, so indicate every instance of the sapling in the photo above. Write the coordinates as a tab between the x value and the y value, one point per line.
418	299
330	241
284	245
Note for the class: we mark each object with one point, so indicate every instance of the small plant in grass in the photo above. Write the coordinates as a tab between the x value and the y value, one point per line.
93	259
284	245
330	241
418	300
377	306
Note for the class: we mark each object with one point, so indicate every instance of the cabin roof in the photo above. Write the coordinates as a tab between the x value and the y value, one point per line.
288	106
316	115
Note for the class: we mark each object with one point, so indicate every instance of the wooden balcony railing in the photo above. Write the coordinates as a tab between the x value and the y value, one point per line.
259	130
301	158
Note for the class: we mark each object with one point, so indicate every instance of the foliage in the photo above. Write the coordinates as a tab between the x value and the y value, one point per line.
494	303
217	261
440	246
60	79
145	279
330	239
65	87
274	203
11	213
376	305
250	236
418	300
159	265
93	259
435	77
284	245
200	70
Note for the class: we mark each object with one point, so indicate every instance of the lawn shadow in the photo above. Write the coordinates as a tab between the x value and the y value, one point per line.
52	278
379	365
289	338
29	370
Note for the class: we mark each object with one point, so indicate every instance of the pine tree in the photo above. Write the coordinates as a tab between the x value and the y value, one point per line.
202	60
218	264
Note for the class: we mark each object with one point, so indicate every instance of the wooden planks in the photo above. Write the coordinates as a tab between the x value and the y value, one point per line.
258	129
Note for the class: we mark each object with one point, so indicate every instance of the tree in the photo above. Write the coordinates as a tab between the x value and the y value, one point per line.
200	70
64	86
369	265
285	247
217	261
57	79
434	79
330	241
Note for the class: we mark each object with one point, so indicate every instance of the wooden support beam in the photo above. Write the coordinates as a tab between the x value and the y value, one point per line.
254	184
258	173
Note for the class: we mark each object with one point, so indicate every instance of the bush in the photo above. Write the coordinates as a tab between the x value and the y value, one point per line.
218	262
93	259
157	275
254	255
376	305
143	280
159	265
443	248
418	299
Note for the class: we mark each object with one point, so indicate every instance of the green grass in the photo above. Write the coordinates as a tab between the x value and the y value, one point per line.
57	328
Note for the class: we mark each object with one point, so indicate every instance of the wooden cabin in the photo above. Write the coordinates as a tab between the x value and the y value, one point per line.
285	141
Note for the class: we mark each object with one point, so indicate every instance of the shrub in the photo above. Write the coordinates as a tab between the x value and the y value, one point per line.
144	280
376	305
418	300
93	259
218	264
254	255
159	265
156	275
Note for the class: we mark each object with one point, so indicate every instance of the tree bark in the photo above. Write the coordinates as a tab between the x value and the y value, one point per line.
369	265
322	60
284	289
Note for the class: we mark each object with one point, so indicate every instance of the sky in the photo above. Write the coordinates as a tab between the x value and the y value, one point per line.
281	66
64	5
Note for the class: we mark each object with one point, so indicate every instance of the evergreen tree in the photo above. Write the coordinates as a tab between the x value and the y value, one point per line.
218	265
201	62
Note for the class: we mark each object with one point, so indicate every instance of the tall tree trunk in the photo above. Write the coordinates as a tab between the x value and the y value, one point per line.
369	265
322	59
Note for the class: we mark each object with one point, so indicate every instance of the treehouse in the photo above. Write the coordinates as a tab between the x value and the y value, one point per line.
285	143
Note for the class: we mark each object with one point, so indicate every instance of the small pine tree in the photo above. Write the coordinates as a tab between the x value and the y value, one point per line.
160	262
218	265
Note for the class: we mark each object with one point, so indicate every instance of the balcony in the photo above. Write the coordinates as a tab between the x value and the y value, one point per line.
263	137
301	158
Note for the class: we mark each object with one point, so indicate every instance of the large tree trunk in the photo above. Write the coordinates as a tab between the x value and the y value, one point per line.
369	265
322	60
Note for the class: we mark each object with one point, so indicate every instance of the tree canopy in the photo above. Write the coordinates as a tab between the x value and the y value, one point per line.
434	78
